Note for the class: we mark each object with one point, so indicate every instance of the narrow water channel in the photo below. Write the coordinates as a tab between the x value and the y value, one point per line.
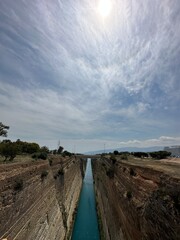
86	224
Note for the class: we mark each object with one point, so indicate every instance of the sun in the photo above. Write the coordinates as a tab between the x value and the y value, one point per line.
104	7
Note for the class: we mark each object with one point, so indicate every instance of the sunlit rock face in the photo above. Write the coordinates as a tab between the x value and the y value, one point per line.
38	199
136	202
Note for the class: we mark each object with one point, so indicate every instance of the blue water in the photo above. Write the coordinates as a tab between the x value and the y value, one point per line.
86	224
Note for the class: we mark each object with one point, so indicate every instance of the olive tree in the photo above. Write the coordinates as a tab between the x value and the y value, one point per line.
3	130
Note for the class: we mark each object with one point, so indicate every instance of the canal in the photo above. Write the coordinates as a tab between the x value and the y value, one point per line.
86	223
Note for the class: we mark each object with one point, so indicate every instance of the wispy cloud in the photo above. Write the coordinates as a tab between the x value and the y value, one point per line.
67	73
161	141
97	144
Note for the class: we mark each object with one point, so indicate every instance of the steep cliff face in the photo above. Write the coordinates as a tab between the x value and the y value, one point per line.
38	199
136	202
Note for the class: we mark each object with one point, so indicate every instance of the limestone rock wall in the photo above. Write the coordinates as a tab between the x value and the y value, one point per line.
136	202
38	199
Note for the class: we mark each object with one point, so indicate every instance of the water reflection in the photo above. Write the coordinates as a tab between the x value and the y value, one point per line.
86	224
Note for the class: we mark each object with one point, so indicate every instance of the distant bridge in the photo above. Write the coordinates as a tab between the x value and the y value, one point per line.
87	156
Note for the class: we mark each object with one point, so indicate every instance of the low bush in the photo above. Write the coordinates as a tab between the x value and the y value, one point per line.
113	159
44	174
110	173
116	152
129	195
43	155
18	186
124	157
61	172
50	162
132	172
40	155
160	154
66	153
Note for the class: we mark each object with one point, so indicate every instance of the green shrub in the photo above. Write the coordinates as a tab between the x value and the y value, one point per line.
176	199
34	155
18	186
140	154
50	162
116	152
124	157
132	172
160	154
44	174
113	159
66	153
8	149
40	155
61	172
110	173
129	195
43	155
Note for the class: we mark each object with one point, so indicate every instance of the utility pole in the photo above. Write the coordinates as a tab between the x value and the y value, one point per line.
59	144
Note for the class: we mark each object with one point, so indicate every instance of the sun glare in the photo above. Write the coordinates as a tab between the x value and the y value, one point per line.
104	7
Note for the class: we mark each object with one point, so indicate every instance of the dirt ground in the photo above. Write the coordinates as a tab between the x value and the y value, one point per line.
18	158
170	166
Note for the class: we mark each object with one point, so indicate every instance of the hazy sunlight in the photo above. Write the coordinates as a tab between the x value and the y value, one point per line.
104	7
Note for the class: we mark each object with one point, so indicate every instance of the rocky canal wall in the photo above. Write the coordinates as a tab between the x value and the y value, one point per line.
136	202
38	199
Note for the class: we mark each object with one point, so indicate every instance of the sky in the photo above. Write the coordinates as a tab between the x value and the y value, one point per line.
69	74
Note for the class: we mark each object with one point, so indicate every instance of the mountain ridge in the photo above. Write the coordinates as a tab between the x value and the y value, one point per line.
128	149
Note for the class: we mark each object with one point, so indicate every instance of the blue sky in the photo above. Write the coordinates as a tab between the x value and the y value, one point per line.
69	74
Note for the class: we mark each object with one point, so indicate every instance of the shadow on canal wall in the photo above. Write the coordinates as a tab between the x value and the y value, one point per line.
38	199
135	202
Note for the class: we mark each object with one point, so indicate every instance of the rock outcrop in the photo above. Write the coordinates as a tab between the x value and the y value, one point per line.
38	199
136	202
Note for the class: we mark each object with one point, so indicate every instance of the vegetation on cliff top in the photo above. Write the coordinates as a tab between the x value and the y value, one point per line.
9	150
3	130
124	155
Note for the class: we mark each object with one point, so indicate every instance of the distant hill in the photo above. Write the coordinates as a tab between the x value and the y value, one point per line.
128	149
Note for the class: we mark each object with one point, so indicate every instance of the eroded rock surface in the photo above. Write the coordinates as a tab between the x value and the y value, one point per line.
38	199
136	202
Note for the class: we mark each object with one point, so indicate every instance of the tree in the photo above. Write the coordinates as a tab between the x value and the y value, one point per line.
113	159
44	149
54	151
140	154
66	153
160	154
116	152
3	130
60	149
8	150
19	145
30	148
40	155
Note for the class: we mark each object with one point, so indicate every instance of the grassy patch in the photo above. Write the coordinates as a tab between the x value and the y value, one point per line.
18	158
